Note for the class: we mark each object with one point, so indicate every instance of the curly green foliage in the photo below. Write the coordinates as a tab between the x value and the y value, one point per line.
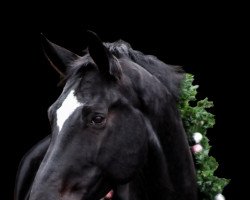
198	119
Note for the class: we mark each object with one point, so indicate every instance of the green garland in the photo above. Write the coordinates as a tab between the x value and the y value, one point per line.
198	119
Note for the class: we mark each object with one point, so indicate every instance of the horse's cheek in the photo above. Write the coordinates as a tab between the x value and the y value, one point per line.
124	151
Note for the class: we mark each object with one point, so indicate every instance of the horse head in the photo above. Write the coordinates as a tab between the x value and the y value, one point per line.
99	138
108	128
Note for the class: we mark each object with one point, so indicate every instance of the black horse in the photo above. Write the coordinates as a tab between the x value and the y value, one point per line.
115	127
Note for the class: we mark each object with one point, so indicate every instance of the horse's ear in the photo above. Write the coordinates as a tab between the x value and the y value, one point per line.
59	57
105	61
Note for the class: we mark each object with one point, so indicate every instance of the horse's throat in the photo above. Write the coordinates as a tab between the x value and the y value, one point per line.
158	182
151	183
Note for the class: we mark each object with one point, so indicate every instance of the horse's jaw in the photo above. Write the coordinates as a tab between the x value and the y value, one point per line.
72	196
72	188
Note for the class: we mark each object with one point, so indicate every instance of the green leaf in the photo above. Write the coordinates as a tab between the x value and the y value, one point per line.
198	119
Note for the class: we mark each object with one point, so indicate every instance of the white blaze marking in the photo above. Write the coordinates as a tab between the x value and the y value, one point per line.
67	108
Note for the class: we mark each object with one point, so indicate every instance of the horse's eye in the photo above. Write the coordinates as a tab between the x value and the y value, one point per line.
98	120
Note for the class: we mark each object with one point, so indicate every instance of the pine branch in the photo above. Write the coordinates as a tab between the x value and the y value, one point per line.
197	120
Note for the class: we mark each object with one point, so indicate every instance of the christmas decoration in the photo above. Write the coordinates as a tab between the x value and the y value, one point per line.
197	120
196	148
219	197
197	136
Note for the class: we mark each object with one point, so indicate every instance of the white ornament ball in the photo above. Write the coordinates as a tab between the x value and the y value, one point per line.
197	148
201	122
219	197
197	137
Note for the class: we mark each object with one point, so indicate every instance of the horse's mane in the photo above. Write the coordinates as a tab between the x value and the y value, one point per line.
169	75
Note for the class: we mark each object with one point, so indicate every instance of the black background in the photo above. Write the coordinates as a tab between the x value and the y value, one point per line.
208	42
